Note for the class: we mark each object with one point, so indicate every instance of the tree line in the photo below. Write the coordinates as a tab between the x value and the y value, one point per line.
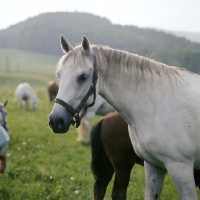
41	34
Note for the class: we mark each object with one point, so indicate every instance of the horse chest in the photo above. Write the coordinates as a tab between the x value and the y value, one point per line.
145	148
158	147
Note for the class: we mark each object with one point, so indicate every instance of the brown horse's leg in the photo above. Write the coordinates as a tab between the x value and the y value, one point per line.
101	184
197	178
122	177
3	161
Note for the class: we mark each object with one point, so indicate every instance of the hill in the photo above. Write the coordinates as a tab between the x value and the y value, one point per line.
41	34
194	37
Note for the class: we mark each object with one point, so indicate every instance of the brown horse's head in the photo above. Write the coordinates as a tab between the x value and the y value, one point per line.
52	89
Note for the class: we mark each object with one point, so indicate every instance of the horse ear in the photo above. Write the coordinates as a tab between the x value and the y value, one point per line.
5	103
66	46
86	45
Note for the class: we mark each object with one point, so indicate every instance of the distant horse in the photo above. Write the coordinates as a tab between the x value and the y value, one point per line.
4	137
101	108
52	88
3	114
112	152
160	103
24	92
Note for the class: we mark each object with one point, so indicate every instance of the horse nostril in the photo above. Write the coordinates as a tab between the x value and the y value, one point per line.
59	123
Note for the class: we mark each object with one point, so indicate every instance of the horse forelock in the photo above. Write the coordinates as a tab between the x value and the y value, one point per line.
79	58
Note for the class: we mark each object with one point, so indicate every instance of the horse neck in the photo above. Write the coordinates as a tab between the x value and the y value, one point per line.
112	87
123	86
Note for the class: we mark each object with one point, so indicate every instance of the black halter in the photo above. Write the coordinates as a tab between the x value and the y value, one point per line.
75	112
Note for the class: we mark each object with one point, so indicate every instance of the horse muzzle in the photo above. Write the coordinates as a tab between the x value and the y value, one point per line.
60	123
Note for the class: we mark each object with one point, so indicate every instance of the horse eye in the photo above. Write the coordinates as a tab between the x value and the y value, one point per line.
82	77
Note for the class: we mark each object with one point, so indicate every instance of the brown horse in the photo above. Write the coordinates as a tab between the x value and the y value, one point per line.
52	89
112	152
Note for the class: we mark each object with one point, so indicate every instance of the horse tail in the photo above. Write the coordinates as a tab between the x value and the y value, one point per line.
99	162
197	178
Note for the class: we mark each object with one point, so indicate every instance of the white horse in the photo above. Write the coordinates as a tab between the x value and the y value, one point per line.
101	108
160	103
24	92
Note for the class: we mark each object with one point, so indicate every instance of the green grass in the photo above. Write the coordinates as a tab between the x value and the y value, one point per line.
48	166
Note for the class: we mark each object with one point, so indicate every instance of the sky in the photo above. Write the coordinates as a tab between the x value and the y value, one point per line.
172	15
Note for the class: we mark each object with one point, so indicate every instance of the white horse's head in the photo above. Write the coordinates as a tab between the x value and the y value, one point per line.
77	76
3	114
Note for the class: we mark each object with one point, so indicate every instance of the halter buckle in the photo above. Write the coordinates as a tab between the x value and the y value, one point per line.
76	120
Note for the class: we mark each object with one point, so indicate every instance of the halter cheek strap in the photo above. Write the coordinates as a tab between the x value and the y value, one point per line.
82	108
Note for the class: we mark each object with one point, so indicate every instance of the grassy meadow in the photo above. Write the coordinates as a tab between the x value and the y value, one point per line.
44	165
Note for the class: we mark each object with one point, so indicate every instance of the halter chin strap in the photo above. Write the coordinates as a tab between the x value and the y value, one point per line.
82	108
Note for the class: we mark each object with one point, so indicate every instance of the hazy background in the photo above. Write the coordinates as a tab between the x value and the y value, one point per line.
172	15
30	30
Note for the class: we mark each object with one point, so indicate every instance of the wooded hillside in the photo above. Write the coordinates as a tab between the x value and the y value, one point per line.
41	34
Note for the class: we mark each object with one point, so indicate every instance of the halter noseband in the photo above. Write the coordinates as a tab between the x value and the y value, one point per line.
75	112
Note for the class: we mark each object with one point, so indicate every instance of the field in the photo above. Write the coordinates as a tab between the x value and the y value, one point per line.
44	165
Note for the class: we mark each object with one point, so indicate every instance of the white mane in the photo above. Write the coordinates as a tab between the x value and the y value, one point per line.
118	61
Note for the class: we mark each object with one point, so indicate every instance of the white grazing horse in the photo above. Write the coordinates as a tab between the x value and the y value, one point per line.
160	103
24	92
101	107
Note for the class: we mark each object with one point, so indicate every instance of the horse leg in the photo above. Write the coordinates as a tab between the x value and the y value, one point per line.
197	178
20	104
3	161
183	178
26	104
102	181
122	177
154	181
83	129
